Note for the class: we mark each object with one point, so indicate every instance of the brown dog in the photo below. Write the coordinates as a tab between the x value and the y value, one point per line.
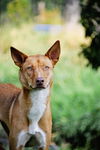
25	113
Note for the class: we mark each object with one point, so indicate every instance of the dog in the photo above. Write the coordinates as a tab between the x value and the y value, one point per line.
25	114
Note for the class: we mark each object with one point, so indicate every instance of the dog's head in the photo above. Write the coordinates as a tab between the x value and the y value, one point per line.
36	71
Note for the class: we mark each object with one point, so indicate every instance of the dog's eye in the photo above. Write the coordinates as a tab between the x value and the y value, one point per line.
46	67
29	68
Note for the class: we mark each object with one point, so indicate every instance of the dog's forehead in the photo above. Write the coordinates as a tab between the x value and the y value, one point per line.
38	59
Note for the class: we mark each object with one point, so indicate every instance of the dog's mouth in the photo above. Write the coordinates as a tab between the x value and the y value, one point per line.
39	86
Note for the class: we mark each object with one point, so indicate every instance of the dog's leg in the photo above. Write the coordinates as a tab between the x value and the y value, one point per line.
13	145
42	140
46	125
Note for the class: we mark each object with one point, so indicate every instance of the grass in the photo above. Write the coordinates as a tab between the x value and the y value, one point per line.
76	87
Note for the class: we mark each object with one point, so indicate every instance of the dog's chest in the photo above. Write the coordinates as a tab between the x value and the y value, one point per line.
38	104
38	100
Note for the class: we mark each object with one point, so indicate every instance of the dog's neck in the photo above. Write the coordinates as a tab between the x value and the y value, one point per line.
38	100
27	93
27	97
39	94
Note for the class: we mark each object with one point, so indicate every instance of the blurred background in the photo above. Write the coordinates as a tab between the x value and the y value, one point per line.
32	26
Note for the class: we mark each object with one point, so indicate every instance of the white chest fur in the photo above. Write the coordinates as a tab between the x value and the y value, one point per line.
38	98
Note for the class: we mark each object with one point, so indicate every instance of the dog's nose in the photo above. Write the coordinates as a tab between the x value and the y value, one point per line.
40	80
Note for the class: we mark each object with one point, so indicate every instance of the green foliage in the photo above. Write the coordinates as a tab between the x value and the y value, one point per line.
91	21
55	3
92	53
19	10
83	132
9	73
3	5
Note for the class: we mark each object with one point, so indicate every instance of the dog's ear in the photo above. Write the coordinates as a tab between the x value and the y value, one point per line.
17	56
54	52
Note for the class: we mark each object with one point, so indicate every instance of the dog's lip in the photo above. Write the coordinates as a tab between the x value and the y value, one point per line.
40	86
37	87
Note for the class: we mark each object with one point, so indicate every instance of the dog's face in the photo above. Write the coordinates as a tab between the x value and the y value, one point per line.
36	71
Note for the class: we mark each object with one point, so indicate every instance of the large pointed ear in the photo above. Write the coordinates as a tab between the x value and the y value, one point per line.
17	56
54	52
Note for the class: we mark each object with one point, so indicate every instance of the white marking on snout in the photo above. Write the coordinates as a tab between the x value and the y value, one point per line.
23	138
